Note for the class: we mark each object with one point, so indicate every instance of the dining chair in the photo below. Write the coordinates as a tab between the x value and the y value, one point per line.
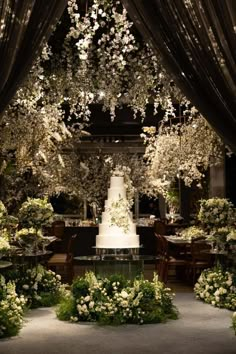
159	227
178	265
58	228
62	263
160	255
200	258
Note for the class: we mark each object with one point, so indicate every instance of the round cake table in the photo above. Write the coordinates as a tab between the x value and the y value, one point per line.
129	265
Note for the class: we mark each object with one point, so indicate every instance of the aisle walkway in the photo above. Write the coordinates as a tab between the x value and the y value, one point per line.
201	329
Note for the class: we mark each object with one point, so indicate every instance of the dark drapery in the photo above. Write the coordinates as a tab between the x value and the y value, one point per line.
197	42
25	26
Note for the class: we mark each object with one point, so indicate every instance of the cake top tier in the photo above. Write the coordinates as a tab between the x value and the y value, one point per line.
117	181
118	171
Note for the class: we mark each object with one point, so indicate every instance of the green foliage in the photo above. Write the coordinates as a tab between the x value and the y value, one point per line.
66	309
80	287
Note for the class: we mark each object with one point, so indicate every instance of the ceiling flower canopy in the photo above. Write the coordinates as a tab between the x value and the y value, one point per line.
97	56
183	149
105	60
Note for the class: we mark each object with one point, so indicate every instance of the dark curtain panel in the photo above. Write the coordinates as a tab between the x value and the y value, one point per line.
197	42
25	26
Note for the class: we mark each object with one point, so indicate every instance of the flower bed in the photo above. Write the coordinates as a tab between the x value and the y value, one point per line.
115	300
217	287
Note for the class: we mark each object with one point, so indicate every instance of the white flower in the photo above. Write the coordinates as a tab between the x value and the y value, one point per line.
124	294
91	304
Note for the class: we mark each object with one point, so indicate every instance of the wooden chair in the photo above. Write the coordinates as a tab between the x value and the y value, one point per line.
58	228
62	263
200	258
159	227
169	262
160	254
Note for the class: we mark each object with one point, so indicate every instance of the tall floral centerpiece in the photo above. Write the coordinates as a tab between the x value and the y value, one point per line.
33	215
217	216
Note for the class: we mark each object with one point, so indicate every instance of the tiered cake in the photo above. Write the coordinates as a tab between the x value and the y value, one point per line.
110	235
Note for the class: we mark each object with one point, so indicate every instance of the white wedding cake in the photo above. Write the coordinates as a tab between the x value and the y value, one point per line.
117	229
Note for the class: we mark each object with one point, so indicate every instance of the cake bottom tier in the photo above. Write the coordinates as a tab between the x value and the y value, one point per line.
117	241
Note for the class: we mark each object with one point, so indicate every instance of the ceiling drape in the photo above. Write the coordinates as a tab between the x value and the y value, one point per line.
25	25
196	40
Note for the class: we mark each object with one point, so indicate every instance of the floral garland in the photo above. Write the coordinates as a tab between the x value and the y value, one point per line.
217	287
115	300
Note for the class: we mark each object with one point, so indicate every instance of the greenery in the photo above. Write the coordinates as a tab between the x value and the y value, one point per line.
115	300
11	309
217	287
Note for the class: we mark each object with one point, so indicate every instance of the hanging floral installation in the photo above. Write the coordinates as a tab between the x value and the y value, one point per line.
108	62
183	149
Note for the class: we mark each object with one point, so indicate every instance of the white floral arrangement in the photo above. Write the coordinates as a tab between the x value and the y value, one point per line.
119	212
40	286
217	287
216	212
35	212
115	300
11	309
192	232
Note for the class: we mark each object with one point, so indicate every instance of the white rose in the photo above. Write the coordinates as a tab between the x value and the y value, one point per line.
91	304
124	294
